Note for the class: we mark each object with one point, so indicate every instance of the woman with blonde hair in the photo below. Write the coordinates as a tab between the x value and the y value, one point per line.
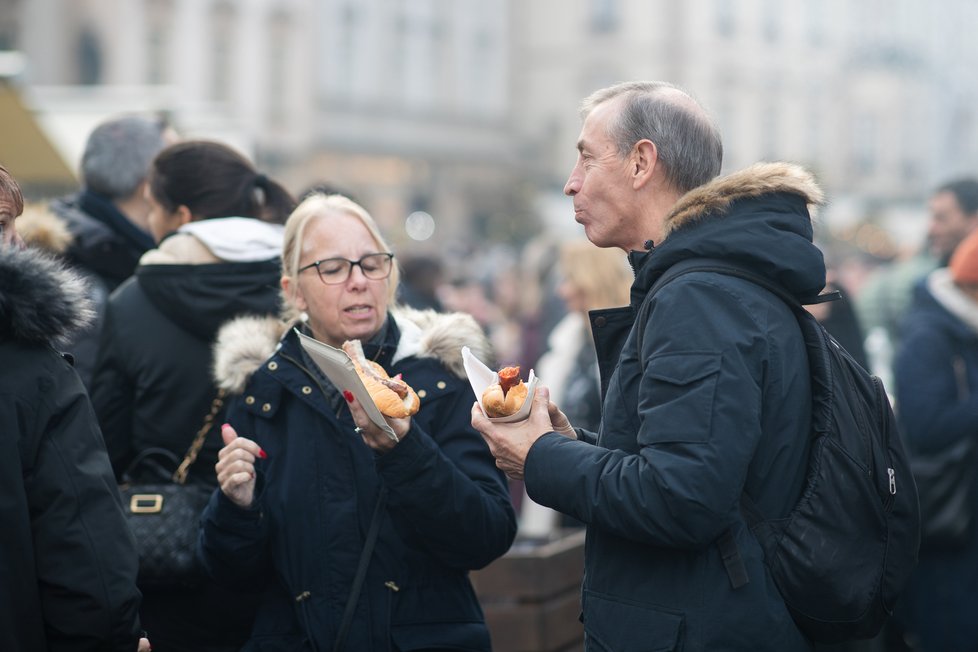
592	278
359	541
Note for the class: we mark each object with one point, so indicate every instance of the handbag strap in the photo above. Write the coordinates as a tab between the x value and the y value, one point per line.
180	475
368	548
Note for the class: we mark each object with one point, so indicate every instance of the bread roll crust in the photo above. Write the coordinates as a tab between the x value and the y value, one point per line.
497	405
373	376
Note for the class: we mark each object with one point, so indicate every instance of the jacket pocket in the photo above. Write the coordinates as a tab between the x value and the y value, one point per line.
679	399
615	626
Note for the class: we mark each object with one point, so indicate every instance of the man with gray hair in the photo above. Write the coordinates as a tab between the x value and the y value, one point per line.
107	219
705	383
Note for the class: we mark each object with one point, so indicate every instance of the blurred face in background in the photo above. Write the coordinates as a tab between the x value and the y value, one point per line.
572	295
161	221
353	309
949	224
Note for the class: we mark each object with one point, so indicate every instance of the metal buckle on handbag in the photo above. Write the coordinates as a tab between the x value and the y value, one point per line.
146	503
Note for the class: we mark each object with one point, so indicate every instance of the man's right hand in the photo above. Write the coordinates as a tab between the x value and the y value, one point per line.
236	467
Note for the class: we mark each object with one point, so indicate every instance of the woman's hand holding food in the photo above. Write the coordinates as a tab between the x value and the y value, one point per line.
236	467
373	436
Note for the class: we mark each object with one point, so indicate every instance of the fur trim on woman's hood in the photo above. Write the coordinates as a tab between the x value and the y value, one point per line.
41	227
759	179
41	300
245	343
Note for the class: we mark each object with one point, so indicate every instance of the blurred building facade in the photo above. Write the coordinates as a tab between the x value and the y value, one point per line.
875	96
403	104
466	109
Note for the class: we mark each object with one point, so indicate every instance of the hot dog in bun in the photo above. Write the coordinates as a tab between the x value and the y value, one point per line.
392	396
506	397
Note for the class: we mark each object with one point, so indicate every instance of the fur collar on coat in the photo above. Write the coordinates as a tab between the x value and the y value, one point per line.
41	300
244	344
715	197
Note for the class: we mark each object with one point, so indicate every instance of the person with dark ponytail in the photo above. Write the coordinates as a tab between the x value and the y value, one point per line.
218	225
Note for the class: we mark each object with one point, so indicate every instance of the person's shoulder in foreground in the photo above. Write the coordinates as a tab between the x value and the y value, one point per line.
67	554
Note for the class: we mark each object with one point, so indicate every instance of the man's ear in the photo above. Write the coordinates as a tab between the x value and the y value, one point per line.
645	156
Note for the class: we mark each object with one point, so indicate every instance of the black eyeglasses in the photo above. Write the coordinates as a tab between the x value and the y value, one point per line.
333	271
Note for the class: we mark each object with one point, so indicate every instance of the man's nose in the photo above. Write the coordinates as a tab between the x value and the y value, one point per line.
573	185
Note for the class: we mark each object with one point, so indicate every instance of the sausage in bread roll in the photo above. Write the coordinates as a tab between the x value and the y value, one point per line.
506	397
392	396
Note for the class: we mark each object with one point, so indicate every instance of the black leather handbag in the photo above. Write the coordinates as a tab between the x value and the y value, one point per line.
163	511
945	485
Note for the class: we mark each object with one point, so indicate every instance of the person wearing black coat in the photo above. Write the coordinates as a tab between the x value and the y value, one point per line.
67	558
106	219
218	224
708	399
936	373
306	476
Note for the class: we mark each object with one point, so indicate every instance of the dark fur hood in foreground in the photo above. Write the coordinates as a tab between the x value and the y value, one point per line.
244	344
41	300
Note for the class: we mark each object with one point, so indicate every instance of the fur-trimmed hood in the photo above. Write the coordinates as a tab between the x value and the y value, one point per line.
759	179
244	344
759	217
41	300
40	227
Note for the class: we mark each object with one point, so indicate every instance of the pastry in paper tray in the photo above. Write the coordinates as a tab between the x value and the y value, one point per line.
481	376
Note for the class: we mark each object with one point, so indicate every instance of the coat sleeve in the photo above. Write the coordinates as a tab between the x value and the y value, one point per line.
232	546
931	412
113	395
84	552
676	477
445	489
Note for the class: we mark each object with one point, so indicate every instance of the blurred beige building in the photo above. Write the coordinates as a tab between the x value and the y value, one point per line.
877	97
467	109
403	104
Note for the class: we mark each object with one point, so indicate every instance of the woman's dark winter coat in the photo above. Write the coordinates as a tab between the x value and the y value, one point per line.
711	400
152	389
448	509
153	382
936	375
67	559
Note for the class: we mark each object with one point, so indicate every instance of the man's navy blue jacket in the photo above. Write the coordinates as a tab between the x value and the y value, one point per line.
711	401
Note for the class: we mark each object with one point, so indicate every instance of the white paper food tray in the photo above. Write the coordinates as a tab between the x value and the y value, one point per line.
481	376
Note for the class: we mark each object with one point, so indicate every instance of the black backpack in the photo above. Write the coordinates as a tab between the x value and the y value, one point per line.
844	552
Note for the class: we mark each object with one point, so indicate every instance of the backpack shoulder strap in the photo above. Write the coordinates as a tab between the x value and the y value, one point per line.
719	266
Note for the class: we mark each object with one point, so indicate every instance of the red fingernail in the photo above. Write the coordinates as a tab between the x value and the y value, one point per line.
226	425
348	395
262	454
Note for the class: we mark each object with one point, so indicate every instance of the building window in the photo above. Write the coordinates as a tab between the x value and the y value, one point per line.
604	15
771	18
278	69
158	29
9	16
726	17
89	59
222	26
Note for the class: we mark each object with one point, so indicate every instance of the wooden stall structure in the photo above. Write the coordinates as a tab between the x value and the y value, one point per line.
531	595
